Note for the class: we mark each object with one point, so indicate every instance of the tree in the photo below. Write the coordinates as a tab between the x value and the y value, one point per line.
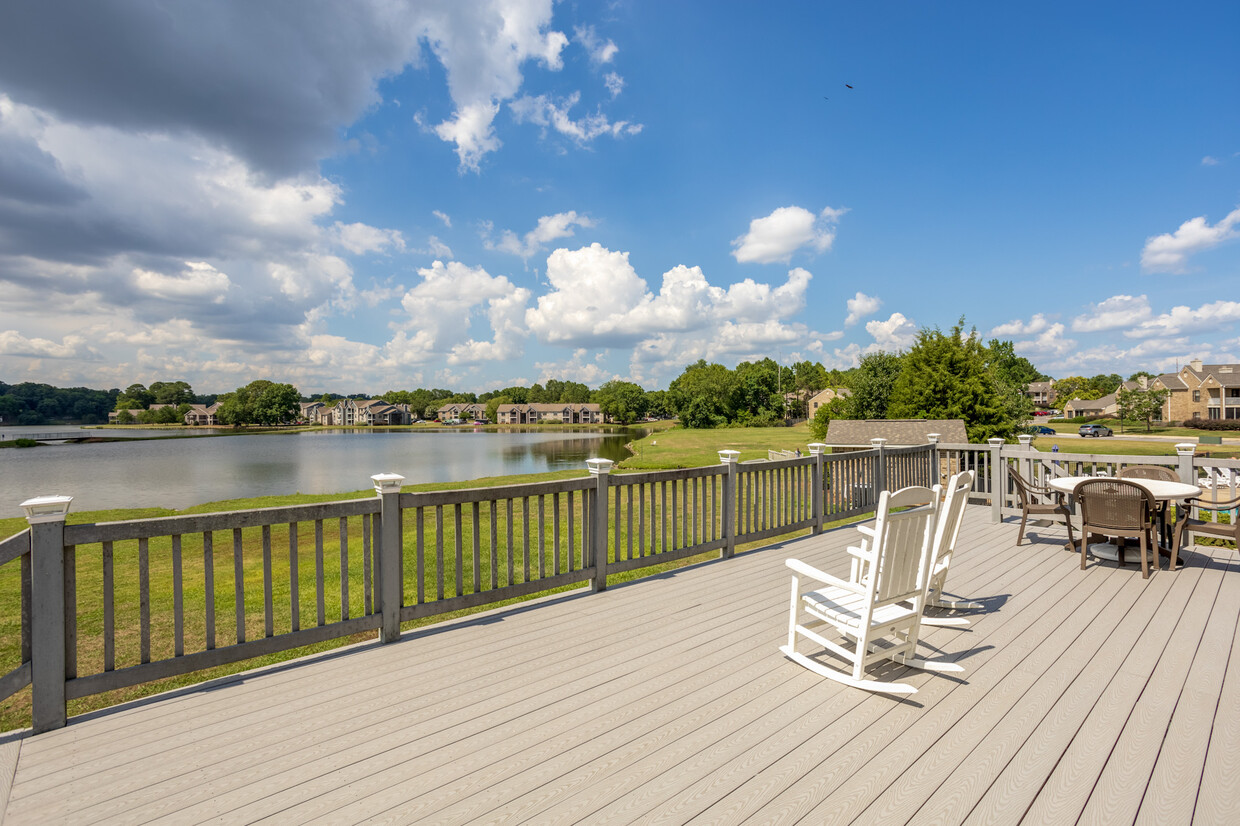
259	402
171	392
808	377
138	395
624	401
837	408
657	404
493	404
872	385
1137	375
700	396
1145	405
1010	368
945	377
124	417
755	398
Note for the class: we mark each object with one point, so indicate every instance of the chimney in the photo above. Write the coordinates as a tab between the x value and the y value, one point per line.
1196	365
1144	381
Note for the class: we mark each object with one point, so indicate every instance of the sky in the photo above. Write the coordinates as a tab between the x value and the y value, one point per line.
364	196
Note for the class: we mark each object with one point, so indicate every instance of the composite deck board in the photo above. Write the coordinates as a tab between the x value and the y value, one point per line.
667	701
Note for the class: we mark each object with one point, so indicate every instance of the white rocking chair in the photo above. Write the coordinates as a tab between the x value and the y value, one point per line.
951	516
881	616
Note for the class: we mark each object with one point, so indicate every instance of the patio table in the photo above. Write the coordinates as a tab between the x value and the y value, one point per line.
1160	489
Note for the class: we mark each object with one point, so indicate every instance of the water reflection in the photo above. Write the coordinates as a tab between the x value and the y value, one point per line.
177	473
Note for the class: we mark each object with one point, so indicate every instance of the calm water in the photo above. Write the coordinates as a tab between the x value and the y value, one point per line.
177	473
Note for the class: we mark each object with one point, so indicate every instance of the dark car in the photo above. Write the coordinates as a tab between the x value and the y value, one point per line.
1095	430
1041	430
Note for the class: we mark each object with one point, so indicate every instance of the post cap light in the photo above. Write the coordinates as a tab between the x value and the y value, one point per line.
1185	448
599	467
995	440
933	437
1025	440
878	441
46	508
387	482
729	457
817	448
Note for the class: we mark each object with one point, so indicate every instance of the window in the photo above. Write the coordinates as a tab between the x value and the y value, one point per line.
1196	395
1213	412
1196	414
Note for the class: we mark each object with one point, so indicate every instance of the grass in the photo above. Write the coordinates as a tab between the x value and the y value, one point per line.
678	447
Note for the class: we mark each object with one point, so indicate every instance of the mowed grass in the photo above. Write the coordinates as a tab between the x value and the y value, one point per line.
679	448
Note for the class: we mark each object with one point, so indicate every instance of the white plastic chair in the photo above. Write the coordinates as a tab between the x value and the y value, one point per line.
878	618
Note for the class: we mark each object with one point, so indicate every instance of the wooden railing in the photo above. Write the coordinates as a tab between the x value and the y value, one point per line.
110	605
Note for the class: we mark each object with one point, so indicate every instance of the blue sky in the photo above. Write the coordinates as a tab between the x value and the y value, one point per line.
357	197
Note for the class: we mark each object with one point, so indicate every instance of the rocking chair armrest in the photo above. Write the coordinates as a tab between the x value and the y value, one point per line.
810	571
861	553
867	530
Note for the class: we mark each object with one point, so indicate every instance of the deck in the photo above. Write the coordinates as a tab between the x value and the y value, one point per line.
1092	697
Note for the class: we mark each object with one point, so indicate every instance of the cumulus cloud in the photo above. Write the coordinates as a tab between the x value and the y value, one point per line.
896	333
597	298
1118	311
1016	327
438	248
1170	252
198	281
1183	319
786	230
548	229
861	306
614	84
600	51
447	221
1050	342
13	343
360	238
547	112
443	309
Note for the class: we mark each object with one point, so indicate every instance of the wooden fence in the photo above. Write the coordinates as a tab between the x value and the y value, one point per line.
110	605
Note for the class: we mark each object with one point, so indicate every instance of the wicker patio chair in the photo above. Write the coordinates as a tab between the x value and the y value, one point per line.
1119	508
1032	501
1225	530
1157	472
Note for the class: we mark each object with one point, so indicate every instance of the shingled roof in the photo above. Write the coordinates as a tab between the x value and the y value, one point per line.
897	432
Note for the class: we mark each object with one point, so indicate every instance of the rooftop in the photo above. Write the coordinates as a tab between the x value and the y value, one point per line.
1087	695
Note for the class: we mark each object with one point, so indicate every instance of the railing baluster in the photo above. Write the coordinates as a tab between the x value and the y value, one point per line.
629	523
70	611
477	534
27	606
294	585
439	552
144	598
641	520
368	604
178	600
525	531
555	531
269	621
208	579
239	584
420	530
344	567
109	617
542	537
511	558
320	574
494	544
460	552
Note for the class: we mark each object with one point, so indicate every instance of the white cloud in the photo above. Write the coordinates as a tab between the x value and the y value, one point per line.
549	228
777	236
861	306
600	52
438	248
360	239
1181	320
1170	252
1049	343
443	308
1116	312
199	280
1209	160
614	84
1016	327
896	333
544	111
447	221
582	366
13	343
598	298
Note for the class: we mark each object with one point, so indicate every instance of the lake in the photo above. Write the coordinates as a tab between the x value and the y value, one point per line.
178	473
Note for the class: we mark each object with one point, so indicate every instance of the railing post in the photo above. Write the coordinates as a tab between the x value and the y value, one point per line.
880	468
1026	444
728	459
600	469
818	450
997	479
46	516
1188	474
387	487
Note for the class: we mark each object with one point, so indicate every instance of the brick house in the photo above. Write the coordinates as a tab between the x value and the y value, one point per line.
561	413
1201	391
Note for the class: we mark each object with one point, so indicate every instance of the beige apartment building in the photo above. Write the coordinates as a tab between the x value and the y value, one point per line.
1201	391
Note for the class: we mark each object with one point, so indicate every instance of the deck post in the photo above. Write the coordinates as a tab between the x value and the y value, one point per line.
937	476
997	479
1184	451
387	487
818	451
600	469
728	459
46	517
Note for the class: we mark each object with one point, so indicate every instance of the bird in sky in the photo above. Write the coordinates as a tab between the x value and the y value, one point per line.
847	85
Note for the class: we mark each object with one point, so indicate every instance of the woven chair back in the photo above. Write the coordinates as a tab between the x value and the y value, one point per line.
1115	503
1165	474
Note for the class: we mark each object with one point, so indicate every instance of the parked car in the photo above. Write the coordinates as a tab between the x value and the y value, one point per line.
1095	430
1042	430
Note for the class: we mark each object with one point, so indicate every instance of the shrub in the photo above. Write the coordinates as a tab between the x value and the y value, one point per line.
1213	424
27	443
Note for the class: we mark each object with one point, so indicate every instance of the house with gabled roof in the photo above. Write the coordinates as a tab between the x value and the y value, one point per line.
1201	391
462	411
558	412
